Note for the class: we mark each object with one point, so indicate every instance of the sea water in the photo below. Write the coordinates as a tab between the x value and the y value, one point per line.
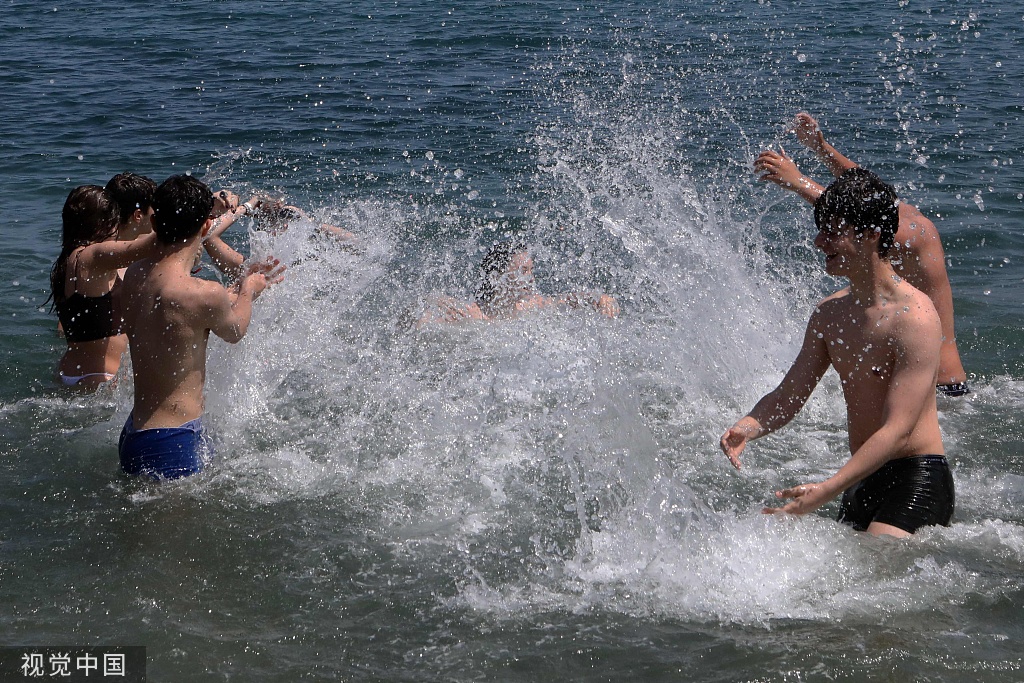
526	500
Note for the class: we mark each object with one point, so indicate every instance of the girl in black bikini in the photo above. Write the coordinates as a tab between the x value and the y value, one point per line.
84	283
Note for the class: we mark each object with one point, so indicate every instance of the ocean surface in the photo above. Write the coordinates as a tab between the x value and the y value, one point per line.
533	500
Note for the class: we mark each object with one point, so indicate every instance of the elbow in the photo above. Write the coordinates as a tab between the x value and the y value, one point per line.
235	335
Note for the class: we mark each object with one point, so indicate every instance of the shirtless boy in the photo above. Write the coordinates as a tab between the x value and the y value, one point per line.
168	317
883	337
917	253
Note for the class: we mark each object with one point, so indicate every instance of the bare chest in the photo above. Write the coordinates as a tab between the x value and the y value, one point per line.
860	347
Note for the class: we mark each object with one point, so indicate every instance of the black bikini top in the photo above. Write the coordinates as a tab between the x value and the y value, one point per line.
87	318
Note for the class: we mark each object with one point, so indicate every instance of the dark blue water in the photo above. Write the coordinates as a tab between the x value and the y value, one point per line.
513	502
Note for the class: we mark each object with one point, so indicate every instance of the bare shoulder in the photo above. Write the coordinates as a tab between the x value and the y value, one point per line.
833	302
197	296
918	310
914	225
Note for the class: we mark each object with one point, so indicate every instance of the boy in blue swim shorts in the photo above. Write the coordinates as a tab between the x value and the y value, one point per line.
169	315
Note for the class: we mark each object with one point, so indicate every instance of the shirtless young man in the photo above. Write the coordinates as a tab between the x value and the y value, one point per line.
168	317
917	252
883	337
508	289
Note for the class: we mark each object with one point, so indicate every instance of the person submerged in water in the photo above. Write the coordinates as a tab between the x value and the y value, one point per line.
272	215
169	316
508	289
884	338
85	286
917	250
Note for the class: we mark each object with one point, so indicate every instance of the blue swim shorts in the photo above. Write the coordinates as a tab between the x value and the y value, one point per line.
164	452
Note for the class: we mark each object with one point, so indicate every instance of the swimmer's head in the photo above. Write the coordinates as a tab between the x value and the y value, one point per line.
861	200
90	215
506	269
132	192
274	215
182	205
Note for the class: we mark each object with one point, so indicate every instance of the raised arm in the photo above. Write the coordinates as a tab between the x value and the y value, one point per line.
227	260
779	406
779	168
808	132
228	218
106	257
230	310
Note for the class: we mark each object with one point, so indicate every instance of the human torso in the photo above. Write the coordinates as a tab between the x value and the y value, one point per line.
862	349
88	310
90	317
168	351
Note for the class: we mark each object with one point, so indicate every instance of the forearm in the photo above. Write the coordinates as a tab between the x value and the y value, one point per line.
774	411
807	189
873	453
227	260
836	163
335	231
121	253
241	314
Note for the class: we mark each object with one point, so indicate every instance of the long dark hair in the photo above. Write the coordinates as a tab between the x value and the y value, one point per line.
90	215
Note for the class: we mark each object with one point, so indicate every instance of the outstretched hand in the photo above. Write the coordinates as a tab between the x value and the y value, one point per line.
779	168
733	442
805	498
808	132
263	274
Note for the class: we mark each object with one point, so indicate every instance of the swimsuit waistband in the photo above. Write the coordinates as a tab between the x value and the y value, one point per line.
72	380
953	389
192	425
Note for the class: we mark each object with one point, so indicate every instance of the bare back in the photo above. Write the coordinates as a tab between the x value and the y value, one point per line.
165	311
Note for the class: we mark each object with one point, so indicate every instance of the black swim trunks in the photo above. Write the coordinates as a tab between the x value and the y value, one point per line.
907	493
953	389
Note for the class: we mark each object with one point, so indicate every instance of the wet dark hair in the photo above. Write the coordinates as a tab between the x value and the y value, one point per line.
273	216
131	192
89	216
181	206
494	266
864	202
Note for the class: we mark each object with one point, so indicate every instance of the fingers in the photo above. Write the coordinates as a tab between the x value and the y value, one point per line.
794	492
732	445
